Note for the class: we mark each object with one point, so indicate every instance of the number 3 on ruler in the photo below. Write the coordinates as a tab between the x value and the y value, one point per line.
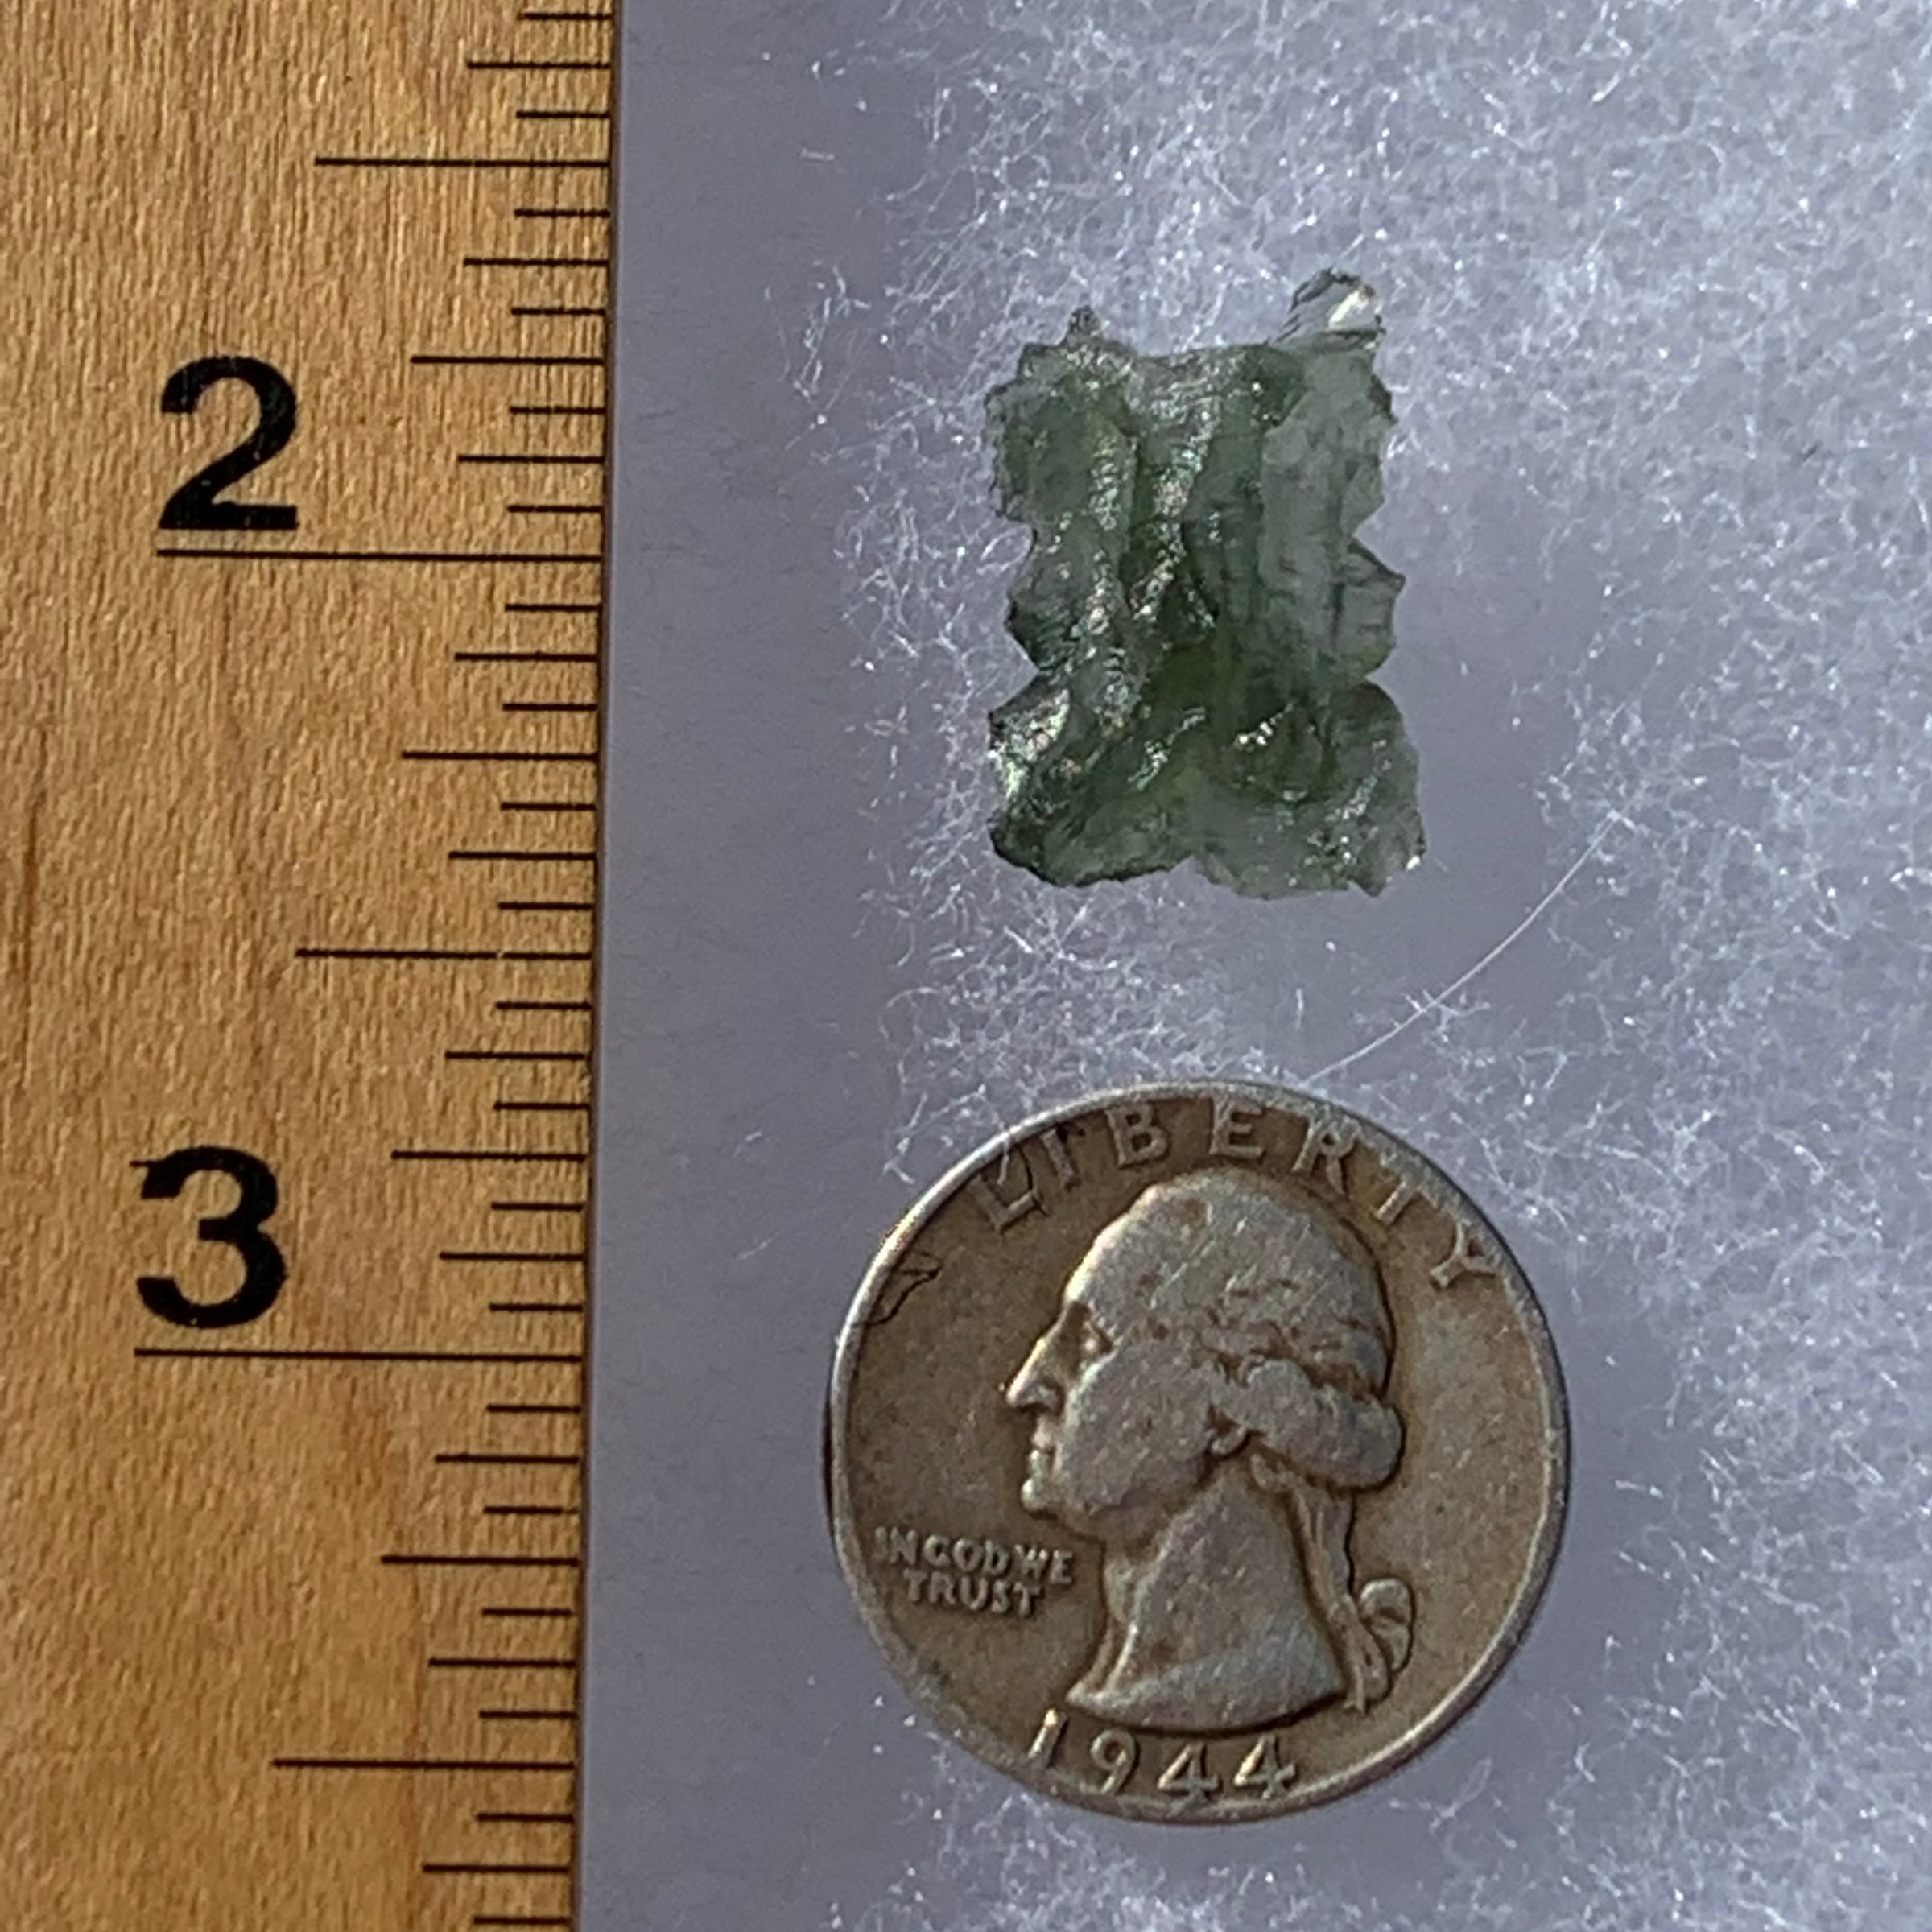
240	1229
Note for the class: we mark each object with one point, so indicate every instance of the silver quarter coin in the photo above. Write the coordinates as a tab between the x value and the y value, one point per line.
1196	1453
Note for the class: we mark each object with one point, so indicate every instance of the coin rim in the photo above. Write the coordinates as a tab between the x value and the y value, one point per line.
919	1679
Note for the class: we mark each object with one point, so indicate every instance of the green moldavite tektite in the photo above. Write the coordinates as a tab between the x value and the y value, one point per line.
1203	620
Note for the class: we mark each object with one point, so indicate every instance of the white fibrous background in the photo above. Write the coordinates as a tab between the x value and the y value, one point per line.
1659	291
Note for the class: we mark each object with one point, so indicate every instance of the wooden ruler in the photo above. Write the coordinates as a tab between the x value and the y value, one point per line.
306	316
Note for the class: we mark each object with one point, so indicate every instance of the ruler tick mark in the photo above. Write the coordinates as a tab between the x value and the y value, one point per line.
392	952
521	1055
461	1560
522	857
480	756
548	557
532	459
509	1154
453	360
538	163
511	1257
408	955
444	1867
601	263
422	1764
508	1459
358	1355
523	657
502	1663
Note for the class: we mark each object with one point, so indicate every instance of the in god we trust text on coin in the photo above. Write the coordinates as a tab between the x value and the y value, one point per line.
1196	1453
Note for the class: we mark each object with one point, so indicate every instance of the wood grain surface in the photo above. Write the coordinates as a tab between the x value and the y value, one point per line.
291	1613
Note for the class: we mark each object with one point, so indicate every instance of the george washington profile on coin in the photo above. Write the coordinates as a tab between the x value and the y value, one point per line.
1207	1404
1196	1453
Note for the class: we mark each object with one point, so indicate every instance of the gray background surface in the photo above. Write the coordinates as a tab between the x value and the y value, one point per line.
1659	304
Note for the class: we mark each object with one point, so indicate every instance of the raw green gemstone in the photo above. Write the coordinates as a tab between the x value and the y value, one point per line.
1203	621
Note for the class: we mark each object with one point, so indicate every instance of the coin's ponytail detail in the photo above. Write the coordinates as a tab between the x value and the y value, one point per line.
1371	1628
